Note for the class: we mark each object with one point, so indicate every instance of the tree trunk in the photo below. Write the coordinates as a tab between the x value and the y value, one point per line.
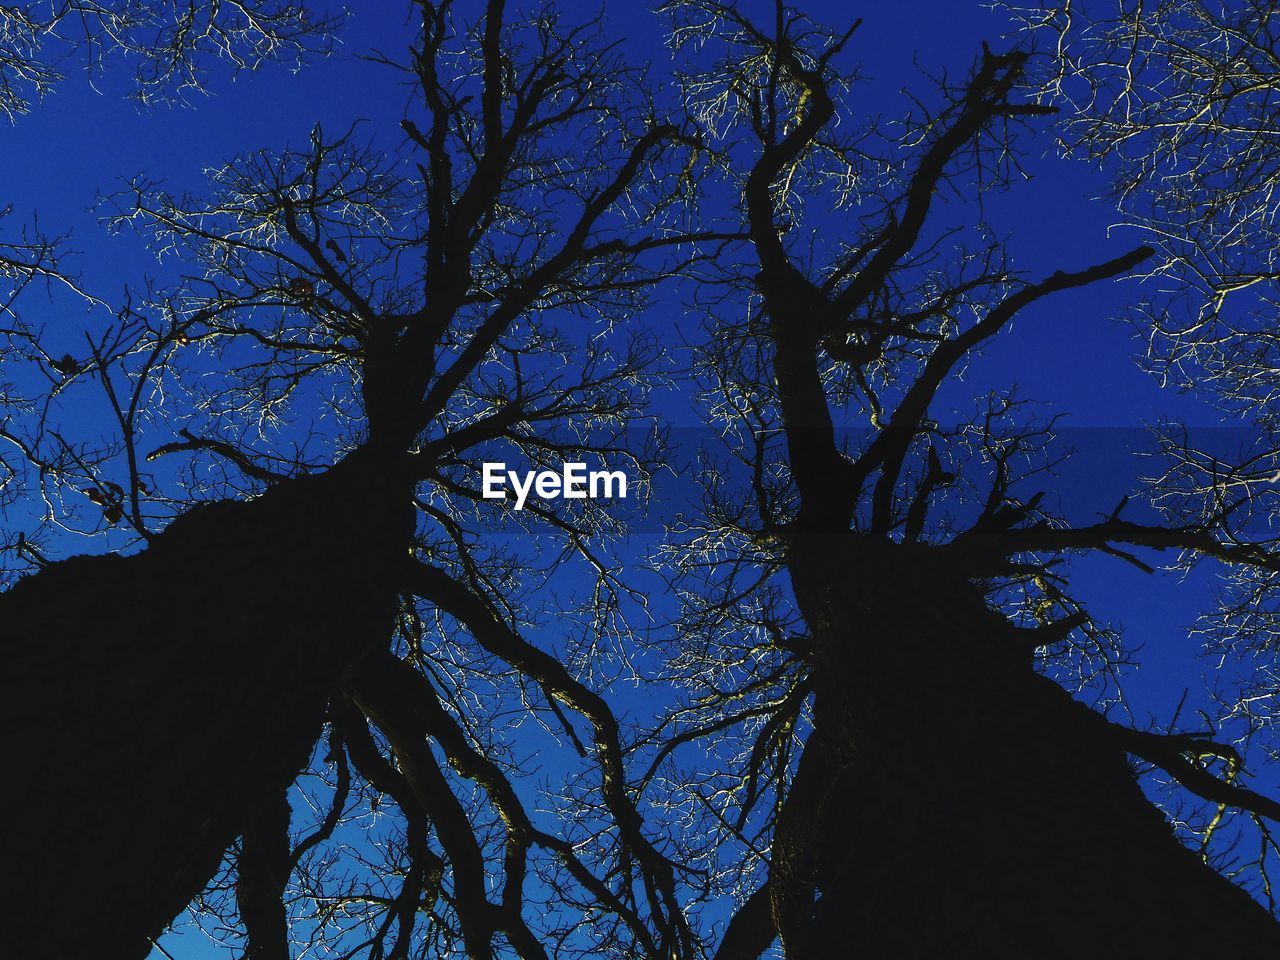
953	803
150	704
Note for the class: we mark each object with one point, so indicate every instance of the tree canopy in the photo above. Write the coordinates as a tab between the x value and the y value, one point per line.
840	669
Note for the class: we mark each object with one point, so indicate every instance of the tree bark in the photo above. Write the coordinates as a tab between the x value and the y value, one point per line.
149	705
263	869
951	802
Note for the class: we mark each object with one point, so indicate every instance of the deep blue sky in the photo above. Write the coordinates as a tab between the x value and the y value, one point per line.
84	137
1067	352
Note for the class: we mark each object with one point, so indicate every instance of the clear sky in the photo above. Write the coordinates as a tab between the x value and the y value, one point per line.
1068	352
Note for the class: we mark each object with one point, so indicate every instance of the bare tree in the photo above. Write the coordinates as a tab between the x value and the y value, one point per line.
312	685
174	46
365	320
881	619
1175	103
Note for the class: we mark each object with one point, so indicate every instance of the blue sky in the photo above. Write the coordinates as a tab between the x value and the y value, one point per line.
1068	351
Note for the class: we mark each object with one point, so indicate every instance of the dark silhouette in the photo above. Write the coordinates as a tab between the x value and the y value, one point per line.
950	799
1002	818
869	642
155	704
158	706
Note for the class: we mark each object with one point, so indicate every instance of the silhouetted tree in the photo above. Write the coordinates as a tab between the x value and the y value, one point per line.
1175	104
880	617
173	47
360	324
332	703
